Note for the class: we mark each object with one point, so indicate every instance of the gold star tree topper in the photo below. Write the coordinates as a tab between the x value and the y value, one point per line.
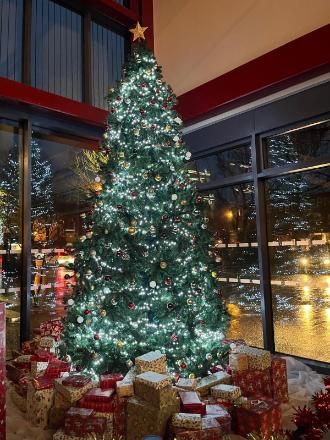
138	32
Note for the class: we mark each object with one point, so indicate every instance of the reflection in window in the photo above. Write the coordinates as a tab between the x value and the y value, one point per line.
298	145
231	218
10	229
299	246
62	181
222	164
108	56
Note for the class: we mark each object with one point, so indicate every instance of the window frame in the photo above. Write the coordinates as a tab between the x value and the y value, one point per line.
258	176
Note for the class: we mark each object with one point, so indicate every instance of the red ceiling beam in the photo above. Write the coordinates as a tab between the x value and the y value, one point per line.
305	55
14	91
112	9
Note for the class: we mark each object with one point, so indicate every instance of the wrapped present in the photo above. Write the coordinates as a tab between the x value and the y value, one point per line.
191	403
144	419
124	389
221	414
238	361
78	426
97	406
19	401
72	393
60	435
42	355
56	417
76	380
279	379
130	375
119	418
242	401
109	418
264	416
15	374
258	359
23	359
187	420
39	403
108	381
152	361
47	342
61	402
99	395
43	383
253	382
186	384
52	328
38	368
226	392
56	368
155	388
210	430
29	347
233	343
207	382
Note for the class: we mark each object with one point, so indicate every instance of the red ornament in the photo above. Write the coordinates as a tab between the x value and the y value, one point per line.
177	219
174	337
164	217
153	102
118	98
119	206
113	110
143	85
199	200
164	106
97	337
134	194
198	290
142	111
107	277
78	368
131	306
219	293
202	322
183	365
170	306
87	312
168	282
120	253
97	193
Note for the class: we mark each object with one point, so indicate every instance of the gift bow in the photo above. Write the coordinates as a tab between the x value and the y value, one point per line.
259	403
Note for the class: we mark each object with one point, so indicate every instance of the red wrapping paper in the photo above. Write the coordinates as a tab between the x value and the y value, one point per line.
279	379
119	417
22	365
76	380
52	328
42	356
15	374
107	407
221	415
211	430
264	416
191	403
99	395
108	381
79	427
43	383
29	347
253	382
2	372
74	412
56	368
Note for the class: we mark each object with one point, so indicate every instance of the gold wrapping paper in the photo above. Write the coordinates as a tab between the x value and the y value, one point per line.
72	393
226	392
56	417
154	380
144	419
109	428
39	403
131	375
186	420
207	382
152	361
59	435
186	384
60	401
124	389
19	401
47	342
238	361
23	358
258	359
157	397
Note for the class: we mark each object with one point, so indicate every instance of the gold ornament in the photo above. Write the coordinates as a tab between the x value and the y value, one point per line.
138	32
151	190
145	175
133	222
88	321
120	344
152	229
132	230
144	123
148	72
163	264
103	313
183	202
190	302
94	355
214	274
126	165
167	127
136	131
191	376
121	154
158	178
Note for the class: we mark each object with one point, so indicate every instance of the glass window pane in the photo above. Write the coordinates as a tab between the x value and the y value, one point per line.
231	218
62	178
223	164
298	145
108	56
10	230
56	49
11	38
299	247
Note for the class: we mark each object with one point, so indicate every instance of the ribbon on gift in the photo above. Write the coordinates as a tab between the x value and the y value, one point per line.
259	403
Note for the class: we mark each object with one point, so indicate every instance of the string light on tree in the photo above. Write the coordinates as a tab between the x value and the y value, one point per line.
154	260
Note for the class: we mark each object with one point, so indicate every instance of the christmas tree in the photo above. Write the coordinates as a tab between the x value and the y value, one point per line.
145	276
